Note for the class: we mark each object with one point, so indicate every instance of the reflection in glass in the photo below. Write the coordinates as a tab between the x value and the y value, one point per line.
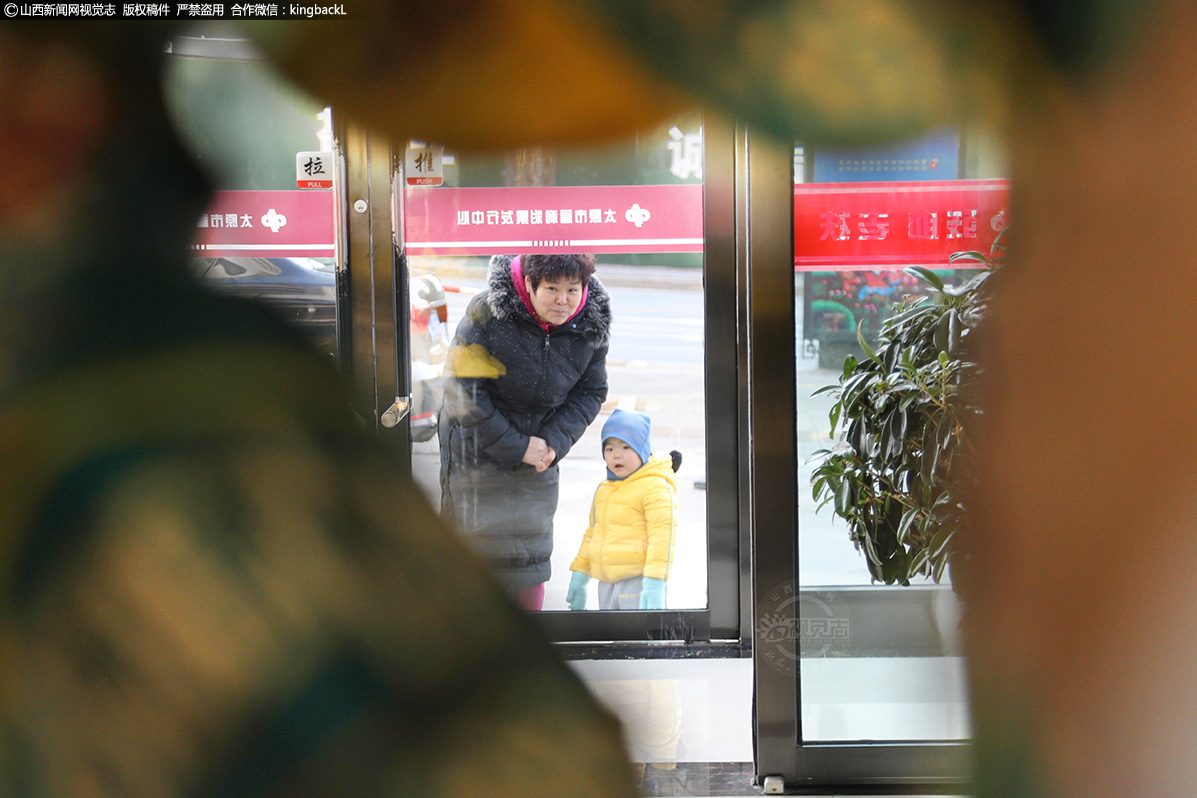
261	238
302	291
650	713
677	711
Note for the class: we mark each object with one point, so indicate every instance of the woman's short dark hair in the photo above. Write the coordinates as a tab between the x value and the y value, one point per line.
554	267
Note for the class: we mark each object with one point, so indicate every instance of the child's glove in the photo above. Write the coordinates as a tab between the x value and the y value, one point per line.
575	597
652	594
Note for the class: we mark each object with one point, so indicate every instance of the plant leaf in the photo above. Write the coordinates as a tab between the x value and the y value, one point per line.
919	561
940	336
940	540
908	519
938	569
856	438
899	423
897	326
868	350
930	452
925	276
854	388
871	553
953	331
843	498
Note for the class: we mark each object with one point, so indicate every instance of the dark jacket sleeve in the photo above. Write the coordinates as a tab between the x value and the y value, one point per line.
468	384
567	423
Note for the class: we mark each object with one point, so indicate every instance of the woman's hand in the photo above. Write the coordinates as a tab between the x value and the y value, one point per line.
539	454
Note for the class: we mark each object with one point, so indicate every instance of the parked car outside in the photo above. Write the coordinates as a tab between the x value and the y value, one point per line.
303	292
298	289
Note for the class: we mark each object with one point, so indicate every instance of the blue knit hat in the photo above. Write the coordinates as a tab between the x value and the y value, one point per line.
634	429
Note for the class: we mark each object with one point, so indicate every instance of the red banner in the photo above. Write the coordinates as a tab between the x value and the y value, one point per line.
842	226
553	219
267	224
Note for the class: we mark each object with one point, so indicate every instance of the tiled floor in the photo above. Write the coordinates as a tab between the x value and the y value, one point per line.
697	778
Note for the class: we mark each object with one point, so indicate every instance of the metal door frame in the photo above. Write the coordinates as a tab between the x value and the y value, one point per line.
772	495
373	269
719	629
372	303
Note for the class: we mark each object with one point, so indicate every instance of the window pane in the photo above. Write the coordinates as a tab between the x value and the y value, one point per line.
879	662
263	237
637	206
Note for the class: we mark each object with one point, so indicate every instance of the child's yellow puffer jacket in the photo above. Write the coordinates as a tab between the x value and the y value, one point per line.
632	522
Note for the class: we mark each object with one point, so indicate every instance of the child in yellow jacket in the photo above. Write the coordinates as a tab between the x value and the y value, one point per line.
628	545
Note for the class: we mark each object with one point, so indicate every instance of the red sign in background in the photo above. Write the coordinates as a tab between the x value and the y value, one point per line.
836	225
548	219
267	224
880	226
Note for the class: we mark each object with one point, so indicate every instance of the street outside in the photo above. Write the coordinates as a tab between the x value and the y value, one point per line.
655	364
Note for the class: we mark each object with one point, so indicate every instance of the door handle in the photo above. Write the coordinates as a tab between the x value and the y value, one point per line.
396	412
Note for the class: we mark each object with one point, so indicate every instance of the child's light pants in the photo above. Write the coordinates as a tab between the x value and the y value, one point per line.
621	595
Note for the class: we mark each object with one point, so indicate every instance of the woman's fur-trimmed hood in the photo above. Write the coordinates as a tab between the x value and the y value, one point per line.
593	323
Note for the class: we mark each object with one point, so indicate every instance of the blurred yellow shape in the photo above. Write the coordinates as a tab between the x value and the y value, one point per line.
474	362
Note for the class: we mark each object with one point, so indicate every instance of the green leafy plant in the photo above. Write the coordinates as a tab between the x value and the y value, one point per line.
895	474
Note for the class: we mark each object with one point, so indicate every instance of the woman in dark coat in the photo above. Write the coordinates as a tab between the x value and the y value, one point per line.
526	375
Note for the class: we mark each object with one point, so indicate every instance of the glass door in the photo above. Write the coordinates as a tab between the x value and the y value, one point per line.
859	668
302	218
375	249
643	208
